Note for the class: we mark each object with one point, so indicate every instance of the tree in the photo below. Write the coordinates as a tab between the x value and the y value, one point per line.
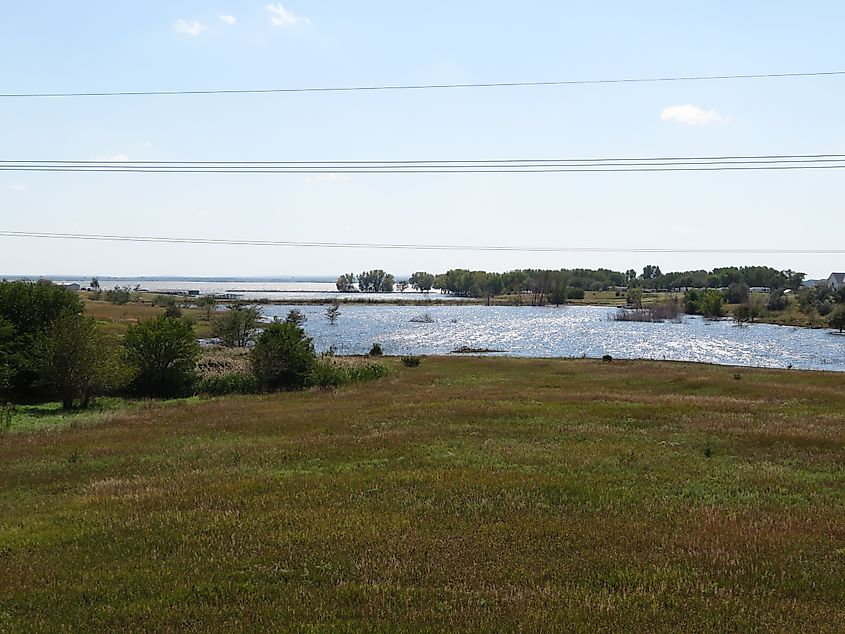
282	357
95	284
346	283
26	310
422	281
375	281
635	297
208	304
401	285
236	328
332	313
163	351
76	361
746	313
837	318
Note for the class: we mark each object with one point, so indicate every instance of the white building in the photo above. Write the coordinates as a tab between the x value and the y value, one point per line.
836	281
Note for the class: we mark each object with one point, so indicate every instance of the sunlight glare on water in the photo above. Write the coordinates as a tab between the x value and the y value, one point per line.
573	331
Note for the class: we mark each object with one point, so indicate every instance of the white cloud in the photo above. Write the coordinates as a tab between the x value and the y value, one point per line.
191	27
19	188
228	19
279	16
690	115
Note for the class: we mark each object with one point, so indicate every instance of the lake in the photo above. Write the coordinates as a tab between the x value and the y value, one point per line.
573	331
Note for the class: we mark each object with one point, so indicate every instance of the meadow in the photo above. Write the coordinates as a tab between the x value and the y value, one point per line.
467	494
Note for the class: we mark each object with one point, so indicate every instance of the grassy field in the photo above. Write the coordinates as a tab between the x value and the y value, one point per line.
117	318
464	495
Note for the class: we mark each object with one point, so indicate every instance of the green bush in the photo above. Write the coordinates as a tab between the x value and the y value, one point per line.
411	361
283	357
575	293
376	350
221	385
163	352
328	372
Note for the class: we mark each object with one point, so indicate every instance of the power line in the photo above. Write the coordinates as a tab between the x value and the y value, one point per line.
495	166
398	87
402	246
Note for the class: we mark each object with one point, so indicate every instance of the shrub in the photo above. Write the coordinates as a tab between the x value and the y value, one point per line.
607	358
707	302
777	300
163	352
376	350
575	293
738	293
220	385
411	361
121	295
282	357
328	372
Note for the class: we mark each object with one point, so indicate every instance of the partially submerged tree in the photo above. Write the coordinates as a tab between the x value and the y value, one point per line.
296	317
237	327
332	313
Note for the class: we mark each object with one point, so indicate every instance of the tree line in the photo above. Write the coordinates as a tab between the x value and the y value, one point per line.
50	350
557	285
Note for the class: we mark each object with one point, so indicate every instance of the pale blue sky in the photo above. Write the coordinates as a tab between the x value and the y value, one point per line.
107	45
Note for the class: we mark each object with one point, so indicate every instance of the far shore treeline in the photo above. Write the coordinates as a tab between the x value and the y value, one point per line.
561	283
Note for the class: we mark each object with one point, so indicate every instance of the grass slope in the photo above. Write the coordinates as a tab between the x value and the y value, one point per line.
465	495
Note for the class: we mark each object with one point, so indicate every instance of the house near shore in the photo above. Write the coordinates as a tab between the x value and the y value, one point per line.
836	281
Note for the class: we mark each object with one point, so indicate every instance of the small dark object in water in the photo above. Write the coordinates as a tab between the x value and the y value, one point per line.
469	350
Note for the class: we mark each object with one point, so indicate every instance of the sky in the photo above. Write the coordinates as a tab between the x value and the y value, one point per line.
102	45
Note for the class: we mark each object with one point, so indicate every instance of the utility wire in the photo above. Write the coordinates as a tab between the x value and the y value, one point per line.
496	166
400	246
514	84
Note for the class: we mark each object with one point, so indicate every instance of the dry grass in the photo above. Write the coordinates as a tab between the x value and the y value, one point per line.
117	318
464	495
